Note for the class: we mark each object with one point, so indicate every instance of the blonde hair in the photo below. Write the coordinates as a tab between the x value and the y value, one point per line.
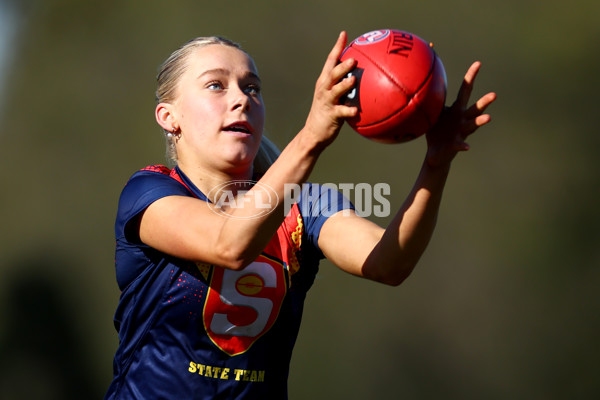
168	76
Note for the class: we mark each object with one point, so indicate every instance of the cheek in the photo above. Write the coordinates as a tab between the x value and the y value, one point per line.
197	112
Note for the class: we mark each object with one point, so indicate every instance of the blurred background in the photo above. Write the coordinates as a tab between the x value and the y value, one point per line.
504	304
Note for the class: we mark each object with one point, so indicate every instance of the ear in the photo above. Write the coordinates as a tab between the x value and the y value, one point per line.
165	116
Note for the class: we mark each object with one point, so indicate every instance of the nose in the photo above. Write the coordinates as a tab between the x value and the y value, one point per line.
241	100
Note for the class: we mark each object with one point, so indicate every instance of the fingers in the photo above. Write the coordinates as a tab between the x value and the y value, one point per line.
336	52
459	121
346	111
464	93
342	69
480	106
473	117
334	81
470	126
327	116
482	120
333	70
477	109
342	87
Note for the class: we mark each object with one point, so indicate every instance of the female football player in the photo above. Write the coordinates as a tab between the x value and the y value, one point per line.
212	264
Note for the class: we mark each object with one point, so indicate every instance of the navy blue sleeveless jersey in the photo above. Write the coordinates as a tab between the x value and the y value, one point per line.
196	331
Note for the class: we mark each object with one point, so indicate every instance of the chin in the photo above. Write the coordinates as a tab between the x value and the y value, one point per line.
240	162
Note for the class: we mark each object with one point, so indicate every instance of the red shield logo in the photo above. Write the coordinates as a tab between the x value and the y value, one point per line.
241	306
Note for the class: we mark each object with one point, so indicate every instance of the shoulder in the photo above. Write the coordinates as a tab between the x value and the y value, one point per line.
150	173
143	188
321	201
153	178
316	204
160	169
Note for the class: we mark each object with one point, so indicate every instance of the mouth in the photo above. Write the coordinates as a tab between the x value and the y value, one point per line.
240	128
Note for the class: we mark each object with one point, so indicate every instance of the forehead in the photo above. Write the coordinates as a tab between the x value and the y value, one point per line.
220	57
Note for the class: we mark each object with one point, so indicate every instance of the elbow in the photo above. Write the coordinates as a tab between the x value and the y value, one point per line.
394	281
233	258
395	276
234	264
390	267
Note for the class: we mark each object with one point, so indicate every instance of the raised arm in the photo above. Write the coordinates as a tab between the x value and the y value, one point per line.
187	228
361	247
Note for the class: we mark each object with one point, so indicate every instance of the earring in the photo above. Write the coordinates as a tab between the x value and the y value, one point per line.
172	133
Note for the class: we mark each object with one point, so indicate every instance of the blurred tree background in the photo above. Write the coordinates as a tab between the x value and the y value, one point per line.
504	304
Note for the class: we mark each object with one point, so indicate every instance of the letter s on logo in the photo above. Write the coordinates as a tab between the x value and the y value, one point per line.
236	290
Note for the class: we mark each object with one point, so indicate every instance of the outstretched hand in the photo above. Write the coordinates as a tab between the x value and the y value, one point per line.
327	115
458	122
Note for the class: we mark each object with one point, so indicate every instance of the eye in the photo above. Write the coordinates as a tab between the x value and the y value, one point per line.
215	85
253	89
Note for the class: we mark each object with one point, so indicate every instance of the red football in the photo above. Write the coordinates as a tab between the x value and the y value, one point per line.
401	85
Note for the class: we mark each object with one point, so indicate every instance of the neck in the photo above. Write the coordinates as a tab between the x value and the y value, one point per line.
207	180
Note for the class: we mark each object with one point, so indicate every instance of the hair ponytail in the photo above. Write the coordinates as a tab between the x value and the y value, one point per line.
265	157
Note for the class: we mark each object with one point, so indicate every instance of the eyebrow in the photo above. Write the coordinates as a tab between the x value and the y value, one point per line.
223	71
